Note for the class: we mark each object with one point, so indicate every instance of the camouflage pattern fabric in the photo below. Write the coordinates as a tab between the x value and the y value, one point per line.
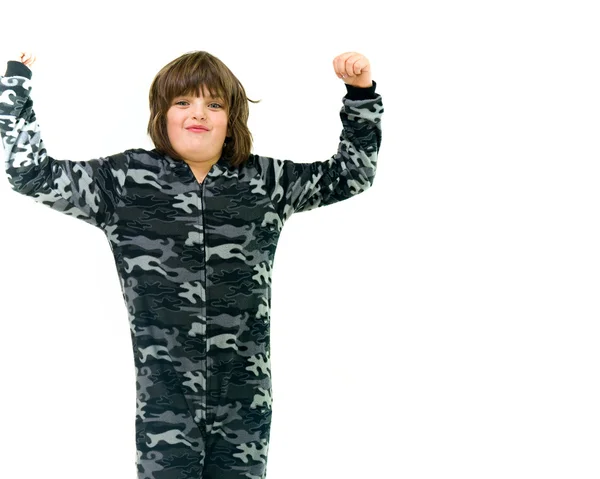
195	262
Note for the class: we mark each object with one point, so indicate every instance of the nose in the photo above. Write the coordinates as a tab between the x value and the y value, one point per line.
199	110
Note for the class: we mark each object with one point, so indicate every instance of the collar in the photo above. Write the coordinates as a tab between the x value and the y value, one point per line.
182	169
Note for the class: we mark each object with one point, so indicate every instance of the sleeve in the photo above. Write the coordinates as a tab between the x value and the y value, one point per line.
296	187
88	190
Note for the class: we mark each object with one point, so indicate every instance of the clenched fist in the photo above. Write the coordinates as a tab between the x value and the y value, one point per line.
354	69
27	58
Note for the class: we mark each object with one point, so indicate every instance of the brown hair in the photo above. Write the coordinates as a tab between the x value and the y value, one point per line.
185	76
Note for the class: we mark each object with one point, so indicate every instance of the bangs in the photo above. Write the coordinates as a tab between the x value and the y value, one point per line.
184	81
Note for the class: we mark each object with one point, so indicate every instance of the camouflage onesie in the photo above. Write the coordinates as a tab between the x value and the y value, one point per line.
195	262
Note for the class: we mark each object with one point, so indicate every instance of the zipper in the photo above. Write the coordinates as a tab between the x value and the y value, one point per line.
204	282
204	406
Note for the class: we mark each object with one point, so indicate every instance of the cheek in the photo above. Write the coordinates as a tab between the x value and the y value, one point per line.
174	121
169	120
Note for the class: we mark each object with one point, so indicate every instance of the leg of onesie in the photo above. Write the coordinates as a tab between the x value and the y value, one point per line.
238	443
169	449
170	440
173	444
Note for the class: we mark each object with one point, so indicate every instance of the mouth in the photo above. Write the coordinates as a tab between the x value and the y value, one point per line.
197	130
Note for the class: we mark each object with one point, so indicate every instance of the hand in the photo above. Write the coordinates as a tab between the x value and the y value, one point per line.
354	69
27	58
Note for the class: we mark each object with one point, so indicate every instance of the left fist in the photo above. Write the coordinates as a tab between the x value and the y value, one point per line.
354	69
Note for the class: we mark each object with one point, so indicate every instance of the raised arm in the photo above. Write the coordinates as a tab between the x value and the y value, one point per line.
296	187
88	190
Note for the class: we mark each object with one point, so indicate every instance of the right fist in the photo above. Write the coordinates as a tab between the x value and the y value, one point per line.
27	58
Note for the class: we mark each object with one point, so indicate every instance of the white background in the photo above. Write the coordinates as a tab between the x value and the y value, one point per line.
442	324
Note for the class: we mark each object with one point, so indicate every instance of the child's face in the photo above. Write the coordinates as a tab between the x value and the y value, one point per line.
186	111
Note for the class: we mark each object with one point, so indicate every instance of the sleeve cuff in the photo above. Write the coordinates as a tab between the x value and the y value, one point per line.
356	93
15	68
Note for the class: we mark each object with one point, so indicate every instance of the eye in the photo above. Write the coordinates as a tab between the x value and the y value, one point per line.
184	101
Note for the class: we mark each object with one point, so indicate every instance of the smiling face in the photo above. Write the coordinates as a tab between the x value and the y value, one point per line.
202	149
